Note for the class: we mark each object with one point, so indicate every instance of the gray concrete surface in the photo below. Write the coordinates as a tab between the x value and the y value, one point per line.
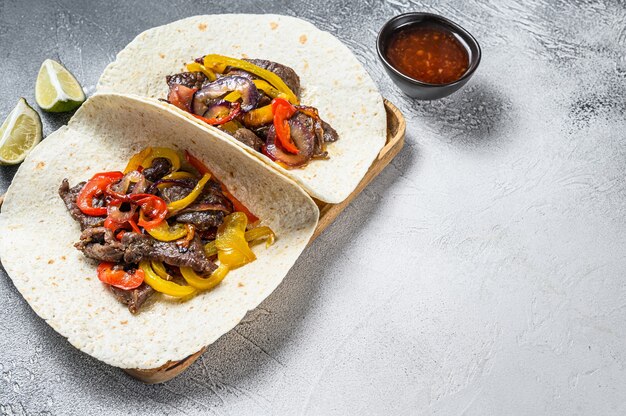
481	274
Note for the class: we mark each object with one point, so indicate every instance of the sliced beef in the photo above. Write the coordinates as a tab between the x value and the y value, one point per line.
208	210
140	246
202	220
330	134
99	243
287	74
134	298
159	168
69	196
176	192
188	79
248	138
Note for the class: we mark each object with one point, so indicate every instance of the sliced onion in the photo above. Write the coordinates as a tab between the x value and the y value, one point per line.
119	216
136	177
249	93
303	138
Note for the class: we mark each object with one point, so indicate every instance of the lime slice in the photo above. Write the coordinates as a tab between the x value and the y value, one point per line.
56	89
19	133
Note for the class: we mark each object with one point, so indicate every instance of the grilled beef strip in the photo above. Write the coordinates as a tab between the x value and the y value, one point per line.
188	79
141	246
159	168
196	214
69	195
100	244
134	298
249	138
330	134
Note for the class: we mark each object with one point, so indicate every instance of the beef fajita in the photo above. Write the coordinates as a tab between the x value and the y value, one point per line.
257	102
159	227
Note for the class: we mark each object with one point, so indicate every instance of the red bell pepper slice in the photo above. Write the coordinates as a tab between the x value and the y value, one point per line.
181	96
94	188
119	277
215	121
152	207
283	111
237	205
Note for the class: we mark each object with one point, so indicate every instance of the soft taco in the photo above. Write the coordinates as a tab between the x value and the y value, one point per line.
288	93
132	232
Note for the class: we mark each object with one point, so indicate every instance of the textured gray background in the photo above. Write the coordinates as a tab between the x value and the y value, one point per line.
481	274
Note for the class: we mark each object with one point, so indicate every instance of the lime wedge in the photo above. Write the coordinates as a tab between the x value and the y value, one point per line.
19	133
56	89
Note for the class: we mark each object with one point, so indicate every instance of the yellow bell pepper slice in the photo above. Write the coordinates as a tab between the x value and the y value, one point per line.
172	207
164	152
163	232
232	96
251	235
196	67
161	285
179	175
232	248
230	127
259	116
160	270
135	161
211	61
267	88
204	283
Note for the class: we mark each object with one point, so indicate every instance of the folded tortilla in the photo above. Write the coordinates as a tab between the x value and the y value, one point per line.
331	77
37	235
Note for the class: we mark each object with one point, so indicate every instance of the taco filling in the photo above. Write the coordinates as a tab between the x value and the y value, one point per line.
161	226
257	102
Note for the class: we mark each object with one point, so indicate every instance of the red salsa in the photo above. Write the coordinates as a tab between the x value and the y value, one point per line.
428	53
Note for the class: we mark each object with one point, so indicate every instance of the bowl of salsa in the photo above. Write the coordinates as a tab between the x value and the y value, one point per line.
427	55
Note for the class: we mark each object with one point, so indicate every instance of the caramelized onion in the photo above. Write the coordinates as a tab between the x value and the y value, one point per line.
249	93
304	139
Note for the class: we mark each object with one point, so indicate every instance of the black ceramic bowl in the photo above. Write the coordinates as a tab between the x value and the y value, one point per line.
419	89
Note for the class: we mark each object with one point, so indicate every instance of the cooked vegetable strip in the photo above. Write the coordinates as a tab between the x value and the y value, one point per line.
197	67
251	235
261	232
201	283
179	175
159	269
283	111
193	195
118	277
135	161
164	152
94	188
161	285
232	248
156	210
259	116
268	89
213	61
164	232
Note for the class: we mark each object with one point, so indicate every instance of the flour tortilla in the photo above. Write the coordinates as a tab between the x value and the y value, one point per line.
37	235
332	80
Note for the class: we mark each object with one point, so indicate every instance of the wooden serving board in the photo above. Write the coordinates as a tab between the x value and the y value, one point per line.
396	127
